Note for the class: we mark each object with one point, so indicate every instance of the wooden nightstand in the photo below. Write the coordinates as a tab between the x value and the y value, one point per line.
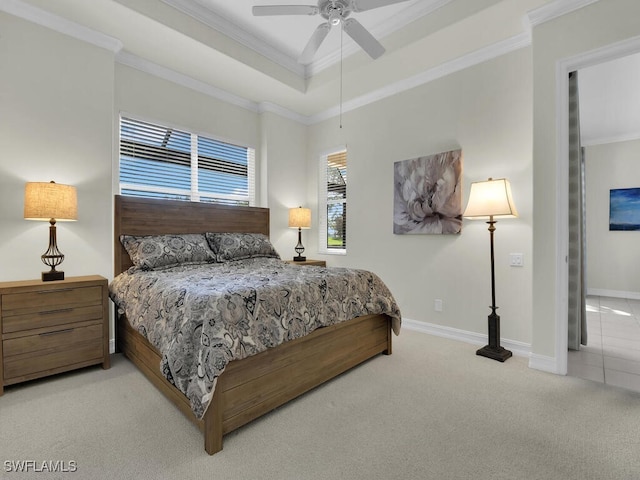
52	327
319	263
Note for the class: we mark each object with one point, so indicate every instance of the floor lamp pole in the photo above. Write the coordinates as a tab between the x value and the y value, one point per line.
493	350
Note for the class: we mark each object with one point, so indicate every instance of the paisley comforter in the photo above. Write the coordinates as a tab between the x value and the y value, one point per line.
201	317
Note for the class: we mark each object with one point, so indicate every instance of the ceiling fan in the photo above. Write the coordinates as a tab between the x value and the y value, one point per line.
336	13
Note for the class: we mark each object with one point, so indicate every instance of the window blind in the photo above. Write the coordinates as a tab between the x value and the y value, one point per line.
164	162
333	201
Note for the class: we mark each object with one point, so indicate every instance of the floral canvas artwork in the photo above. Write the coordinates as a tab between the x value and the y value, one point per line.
428	194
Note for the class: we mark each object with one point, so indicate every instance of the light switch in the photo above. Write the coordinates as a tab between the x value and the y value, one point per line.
516	259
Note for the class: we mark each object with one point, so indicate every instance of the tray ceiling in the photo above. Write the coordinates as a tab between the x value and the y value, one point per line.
219	47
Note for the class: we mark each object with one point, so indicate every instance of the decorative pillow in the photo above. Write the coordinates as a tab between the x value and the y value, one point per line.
238	246
151	252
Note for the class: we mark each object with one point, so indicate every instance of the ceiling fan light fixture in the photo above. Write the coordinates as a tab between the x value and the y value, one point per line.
335	18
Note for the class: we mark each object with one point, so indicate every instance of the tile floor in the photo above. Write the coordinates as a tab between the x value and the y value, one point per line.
612	355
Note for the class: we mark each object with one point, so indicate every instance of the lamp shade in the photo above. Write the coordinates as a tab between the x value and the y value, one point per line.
47	201
490	198
300	218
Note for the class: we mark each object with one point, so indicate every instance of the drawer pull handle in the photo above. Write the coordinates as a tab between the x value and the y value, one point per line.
55	291
51	312
67	330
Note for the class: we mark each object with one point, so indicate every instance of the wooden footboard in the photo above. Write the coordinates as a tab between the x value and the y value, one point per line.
253	386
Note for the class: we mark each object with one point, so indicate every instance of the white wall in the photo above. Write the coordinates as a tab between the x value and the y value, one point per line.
56	124
66	89
613	258
61	100
486	110
284	144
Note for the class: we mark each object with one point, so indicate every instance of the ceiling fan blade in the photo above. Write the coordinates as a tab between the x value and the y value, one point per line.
314	43
363	38
260	10
363	5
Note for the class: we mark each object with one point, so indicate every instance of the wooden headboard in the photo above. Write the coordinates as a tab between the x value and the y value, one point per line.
150	216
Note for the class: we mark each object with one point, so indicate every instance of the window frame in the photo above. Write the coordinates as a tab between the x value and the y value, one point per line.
193	194
323	202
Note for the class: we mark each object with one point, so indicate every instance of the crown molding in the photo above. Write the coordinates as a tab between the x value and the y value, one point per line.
54	22
628	137
147	66
283	112
226	27
487	53
482	55
555	9
139	63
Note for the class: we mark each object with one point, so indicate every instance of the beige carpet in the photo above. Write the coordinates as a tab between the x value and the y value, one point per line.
432	410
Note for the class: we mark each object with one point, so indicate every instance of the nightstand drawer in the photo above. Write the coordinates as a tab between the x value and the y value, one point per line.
52	339
48	318
47	300
35	364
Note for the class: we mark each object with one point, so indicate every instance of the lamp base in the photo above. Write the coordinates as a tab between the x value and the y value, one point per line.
496	353
299	258
52	275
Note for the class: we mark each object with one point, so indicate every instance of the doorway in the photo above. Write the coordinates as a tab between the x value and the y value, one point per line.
612	351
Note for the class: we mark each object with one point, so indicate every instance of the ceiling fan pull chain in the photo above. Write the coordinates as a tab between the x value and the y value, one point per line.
341	45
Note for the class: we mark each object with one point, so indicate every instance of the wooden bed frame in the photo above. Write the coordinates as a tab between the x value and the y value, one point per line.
255	385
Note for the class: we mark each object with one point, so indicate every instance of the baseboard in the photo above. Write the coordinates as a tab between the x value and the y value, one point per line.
600	292
520	349
544	363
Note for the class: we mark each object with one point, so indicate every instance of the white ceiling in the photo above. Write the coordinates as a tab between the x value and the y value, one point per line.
220	43
289	34
219	46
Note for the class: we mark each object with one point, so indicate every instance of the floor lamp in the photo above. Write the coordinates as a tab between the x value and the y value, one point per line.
491	199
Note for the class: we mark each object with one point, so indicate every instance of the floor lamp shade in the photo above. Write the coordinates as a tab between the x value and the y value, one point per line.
487	200
490	198
299	218
51	202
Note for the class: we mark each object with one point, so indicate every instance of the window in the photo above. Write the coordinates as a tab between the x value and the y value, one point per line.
333	202
165	162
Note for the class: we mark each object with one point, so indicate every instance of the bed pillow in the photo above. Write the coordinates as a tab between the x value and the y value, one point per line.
238	246
152	252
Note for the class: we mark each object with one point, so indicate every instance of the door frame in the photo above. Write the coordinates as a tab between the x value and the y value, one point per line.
563	68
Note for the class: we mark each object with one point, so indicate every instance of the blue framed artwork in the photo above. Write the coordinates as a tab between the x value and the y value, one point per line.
624	209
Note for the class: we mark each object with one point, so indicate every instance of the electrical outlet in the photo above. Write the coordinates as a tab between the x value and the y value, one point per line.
437	305
516	259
